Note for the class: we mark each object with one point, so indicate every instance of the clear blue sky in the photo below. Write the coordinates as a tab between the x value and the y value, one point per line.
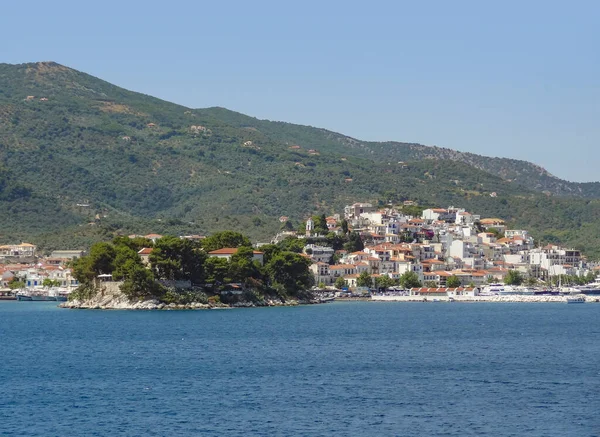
517	79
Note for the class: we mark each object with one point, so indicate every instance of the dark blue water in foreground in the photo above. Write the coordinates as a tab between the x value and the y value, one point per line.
369	369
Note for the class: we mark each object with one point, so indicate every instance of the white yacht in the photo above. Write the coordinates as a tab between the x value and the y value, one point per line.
576	299
501	289
591	288
569	290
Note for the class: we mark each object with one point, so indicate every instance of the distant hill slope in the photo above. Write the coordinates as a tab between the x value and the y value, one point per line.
82	159
522	173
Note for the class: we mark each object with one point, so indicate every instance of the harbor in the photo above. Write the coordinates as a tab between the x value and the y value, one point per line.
495	292
495	298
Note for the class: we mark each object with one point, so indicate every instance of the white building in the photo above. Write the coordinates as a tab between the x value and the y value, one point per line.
70	254
437	214
23	250
511	233
357	209
319	253
321	273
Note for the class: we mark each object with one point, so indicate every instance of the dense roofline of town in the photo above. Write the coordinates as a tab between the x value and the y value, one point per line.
444	242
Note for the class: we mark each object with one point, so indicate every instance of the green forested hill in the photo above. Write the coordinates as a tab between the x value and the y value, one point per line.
522	173
142	164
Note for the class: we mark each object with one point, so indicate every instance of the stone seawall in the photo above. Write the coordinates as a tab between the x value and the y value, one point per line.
499	299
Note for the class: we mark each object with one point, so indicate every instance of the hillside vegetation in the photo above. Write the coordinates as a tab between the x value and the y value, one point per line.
83	160
522	173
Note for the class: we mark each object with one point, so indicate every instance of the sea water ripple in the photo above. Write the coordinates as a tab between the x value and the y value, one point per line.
341	369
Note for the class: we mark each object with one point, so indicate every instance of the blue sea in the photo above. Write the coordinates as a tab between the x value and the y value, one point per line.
340	369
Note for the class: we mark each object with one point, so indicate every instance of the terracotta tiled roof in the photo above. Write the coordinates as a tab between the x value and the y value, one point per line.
489	221
342	267
231	251
444	274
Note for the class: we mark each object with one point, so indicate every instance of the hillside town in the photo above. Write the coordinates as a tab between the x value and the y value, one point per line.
447	251
439	244
22	268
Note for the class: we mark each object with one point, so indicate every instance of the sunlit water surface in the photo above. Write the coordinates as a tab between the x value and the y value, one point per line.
341	369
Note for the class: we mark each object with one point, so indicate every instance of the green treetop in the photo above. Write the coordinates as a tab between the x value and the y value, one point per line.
50	283
177	259
453	281
225	239
340	283
409	280
364	280
384	281
513	277
217	270
354	243
243	266
16	284
290	271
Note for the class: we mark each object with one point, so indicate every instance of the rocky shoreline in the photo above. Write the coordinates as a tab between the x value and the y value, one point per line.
111	298
154	304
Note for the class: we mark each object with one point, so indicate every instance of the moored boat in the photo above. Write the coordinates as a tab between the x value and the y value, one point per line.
568	291
24	297
42	298
322	299
504	290
36	296
8	297
589	289
576	299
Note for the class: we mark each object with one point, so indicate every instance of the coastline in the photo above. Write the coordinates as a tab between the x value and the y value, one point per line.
109	297
154	304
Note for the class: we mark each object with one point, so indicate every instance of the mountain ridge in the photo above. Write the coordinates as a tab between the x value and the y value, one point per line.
422	151
507	168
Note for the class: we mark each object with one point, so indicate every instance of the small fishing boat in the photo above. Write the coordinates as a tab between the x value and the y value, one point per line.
24	297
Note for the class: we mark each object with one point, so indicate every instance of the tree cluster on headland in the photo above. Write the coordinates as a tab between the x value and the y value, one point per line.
173	261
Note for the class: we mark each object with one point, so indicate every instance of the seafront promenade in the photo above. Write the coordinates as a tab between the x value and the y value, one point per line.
498	299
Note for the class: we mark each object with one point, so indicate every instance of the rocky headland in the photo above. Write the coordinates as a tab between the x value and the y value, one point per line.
108	296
